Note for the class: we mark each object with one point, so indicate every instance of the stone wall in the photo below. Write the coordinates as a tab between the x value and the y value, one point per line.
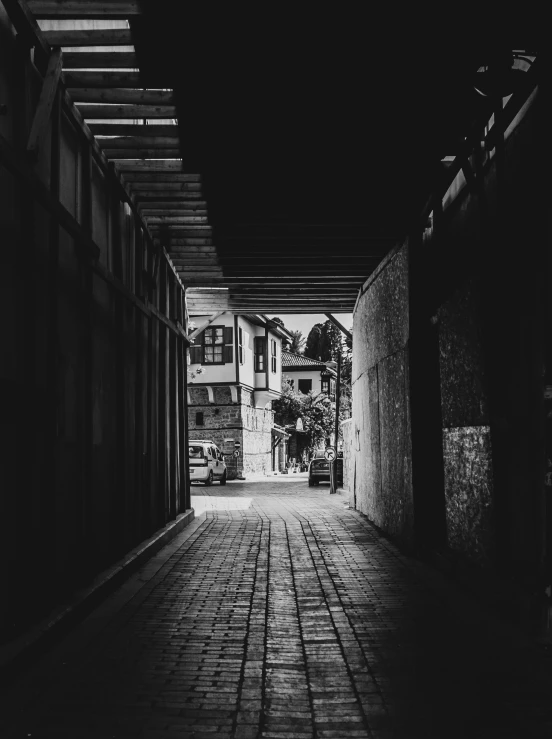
226	423
257	438
381	485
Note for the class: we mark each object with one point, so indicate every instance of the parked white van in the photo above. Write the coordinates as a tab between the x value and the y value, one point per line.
206	462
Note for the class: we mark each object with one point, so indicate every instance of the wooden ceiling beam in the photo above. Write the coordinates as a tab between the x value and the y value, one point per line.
291	281
194	243
185	217
98	80
301	290
69	9
135	129
195	231
167	199
283	310
167	196
174	166
121	96
135	142
155	188
172	207
92	37
100	60
149	175
89	112
140	153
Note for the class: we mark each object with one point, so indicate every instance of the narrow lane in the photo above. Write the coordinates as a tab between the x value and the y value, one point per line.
281	613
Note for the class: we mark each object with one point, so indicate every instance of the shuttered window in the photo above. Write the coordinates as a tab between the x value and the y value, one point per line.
241	349
260	346
273	355
215	346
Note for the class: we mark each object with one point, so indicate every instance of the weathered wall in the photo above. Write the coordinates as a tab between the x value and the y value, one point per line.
468	475
257	440
349	460
241	422
382	482
93	386
490	321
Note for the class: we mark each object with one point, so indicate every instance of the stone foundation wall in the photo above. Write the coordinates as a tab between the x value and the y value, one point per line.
257	440
227	423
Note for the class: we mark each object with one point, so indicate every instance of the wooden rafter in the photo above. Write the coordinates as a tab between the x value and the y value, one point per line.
46	102
98	80
100	60
68	9
146	153
121	96
152	166
93	37
134	129
127	111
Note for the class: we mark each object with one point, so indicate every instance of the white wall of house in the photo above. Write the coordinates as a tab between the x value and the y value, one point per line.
246	373
275	378
215	372
313	375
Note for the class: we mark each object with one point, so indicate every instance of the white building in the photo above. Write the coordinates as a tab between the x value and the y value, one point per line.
231	401
306	374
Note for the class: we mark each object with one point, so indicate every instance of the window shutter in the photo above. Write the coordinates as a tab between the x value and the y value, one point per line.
228	335
228	354
195	354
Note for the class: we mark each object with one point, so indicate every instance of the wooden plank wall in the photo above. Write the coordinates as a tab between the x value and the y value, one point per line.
94	357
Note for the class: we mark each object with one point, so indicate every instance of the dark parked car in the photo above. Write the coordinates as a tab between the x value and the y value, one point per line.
319	469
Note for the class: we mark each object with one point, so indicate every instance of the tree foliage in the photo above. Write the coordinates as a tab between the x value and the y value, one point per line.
323	342
297	344
316	411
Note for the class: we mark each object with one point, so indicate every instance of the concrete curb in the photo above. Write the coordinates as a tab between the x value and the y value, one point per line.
18	653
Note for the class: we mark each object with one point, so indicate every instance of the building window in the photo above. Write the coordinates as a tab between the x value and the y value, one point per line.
305	386
273	355
259	354
241	351
199	418
326	385
213	345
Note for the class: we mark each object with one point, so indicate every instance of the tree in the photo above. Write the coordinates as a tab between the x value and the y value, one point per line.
297	342
316	411
323	342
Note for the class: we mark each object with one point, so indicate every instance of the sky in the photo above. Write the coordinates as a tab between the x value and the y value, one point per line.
305	321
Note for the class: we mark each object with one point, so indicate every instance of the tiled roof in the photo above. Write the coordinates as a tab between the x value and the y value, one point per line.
299	360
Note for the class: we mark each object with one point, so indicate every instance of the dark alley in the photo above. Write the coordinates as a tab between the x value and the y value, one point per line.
276	375
282	613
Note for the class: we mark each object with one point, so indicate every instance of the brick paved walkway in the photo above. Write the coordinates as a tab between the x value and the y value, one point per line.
281	613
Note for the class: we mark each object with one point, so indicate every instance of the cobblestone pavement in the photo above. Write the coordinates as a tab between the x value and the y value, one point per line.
281	613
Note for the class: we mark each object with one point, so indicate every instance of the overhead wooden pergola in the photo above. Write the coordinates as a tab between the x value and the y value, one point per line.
207	209
135	127
253	269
